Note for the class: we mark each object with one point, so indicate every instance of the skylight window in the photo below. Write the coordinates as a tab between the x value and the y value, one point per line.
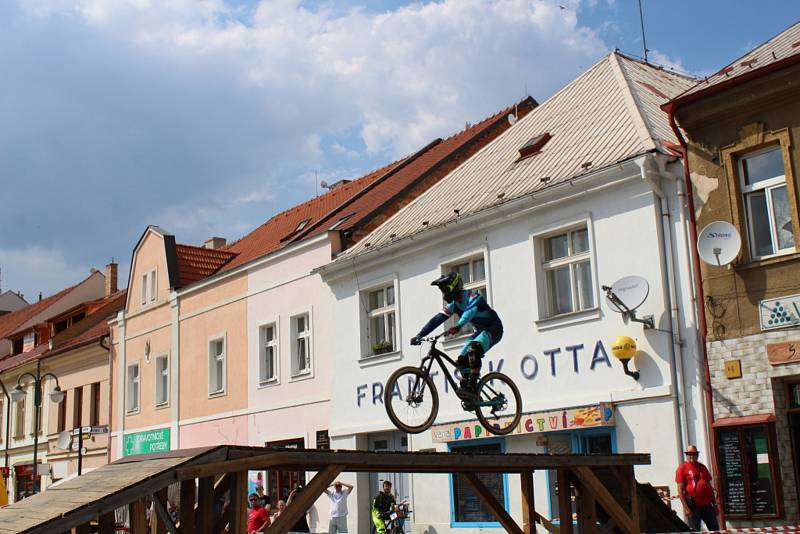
534	145
302	225
340	221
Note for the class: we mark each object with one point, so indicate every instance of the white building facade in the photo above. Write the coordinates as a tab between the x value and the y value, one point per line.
538	234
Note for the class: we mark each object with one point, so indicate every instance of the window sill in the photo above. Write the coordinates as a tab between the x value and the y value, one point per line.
565	319
269	383
132	412
767	261
162	406
378	359
305	375
216	394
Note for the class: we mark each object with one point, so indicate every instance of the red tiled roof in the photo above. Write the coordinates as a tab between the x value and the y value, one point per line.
10	322
19	359
273	234
196	263
358	199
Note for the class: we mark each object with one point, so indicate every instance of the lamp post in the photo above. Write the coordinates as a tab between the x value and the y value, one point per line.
56	396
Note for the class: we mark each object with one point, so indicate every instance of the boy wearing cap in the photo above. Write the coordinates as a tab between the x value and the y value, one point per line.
696	492
338	499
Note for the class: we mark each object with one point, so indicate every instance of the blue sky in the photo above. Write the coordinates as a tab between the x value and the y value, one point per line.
206	117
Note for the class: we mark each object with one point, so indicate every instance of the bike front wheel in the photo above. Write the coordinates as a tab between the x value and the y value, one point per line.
411	400
500	405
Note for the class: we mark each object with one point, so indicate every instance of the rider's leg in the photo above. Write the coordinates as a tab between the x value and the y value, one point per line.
475	355
380	526
462	362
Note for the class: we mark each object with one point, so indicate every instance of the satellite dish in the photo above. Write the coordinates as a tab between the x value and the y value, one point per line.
64	440
512	119
719	243
632	291
323	183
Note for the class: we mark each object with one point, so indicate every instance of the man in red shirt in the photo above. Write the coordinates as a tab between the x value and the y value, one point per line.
258	519
696	492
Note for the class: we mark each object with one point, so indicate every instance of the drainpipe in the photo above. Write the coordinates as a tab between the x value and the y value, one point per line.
105	343
650	176
8	420
701	317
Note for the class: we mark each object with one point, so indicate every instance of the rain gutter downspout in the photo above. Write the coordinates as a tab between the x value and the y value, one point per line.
8	421
701	317
676	347
104	342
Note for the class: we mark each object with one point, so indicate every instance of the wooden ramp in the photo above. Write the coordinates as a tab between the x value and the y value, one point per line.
607	495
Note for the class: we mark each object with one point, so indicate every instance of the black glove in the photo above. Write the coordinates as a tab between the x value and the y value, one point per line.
384	515
416	341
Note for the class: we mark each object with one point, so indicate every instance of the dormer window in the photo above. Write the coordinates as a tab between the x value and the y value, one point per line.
302	225
534	145
338	223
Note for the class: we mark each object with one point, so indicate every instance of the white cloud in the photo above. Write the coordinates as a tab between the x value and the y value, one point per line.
666	61
37	269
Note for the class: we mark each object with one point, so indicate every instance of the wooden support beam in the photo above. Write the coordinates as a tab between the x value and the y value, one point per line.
303	501
529	515
137	511
593	485
564	501
587	510
239	502
107	522
186	512
633	491
160	506
548	525
490	501
204	514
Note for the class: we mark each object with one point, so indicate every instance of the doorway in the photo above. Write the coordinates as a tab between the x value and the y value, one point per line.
401	485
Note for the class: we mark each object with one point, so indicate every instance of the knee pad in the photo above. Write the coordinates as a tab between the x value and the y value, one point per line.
474	355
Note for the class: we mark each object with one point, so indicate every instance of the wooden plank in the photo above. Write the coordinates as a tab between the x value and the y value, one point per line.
548	526
239	502
489	500
529	515
186	513
164	520
587	510
205	505
308	460
107	522
138	515
564	501
633	491
304	500
594	486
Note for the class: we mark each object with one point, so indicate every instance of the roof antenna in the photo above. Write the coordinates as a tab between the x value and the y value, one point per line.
641	22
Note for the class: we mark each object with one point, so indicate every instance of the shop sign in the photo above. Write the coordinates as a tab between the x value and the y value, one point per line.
733	368
780	353
592	416
146	442
5	472
780	312
24	470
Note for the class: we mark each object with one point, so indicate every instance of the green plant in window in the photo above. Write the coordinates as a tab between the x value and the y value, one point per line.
381	347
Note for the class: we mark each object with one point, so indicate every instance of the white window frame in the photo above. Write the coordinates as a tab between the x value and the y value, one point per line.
128	383
765	186
153	287
144	289
262	347
383	311
218	358
448	266
539	236
294	337
20	416
157	380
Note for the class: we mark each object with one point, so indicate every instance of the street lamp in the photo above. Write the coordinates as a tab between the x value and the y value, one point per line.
56	396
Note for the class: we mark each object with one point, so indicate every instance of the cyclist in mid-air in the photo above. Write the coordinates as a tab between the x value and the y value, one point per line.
471	307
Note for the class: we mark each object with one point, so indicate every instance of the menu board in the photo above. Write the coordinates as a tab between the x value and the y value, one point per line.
729	456
760	474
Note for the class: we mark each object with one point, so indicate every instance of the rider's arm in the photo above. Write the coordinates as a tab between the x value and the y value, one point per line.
469	310
431	325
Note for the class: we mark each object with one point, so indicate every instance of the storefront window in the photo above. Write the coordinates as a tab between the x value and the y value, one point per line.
281	483
467	507
748	466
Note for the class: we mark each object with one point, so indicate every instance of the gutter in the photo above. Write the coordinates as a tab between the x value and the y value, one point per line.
670	108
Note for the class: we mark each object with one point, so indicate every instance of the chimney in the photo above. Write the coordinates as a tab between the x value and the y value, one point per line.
111	278
215	243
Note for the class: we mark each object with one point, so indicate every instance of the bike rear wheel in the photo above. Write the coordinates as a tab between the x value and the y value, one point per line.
411	400
500	405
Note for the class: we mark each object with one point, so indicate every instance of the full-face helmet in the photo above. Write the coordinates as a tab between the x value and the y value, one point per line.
449	284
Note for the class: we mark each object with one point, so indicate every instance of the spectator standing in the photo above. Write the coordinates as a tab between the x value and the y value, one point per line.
338	497
262	497
696	491
302	524
258	518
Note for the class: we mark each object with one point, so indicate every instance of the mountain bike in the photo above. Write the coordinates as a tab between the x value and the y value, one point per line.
412	401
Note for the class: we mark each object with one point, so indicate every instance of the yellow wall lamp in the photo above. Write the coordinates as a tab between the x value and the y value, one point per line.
624	349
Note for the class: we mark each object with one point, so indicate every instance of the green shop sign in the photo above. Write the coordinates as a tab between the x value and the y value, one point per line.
146	442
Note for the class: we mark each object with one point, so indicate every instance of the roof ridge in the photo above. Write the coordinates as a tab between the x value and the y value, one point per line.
657	66
204	249
632	103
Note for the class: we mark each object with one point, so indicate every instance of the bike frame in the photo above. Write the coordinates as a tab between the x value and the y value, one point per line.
435	355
